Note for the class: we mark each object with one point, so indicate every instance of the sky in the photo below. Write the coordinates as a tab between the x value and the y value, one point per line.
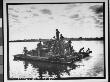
34	21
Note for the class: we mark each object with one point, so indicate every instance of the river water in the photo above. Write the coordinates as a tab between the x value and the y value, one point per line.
92	66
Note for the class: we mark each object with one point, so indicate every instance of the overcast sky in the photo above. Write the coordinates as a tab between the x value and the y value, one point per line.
40	20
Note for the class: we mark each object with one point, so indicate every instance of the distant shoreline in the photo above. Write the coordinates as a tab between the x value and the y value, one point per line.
72	39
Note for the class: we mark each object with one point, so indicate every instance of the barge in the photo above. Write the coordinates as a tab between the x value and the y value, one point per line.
56	50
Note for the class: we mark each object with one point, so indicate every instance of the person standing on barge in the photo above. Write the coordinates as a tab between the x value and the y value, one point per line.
70	47
39	47
57	34
25	51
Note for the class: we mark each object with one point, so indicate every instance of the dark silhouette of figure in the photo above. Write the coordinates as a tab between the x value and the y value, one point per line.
61	37
69	43
54	37
39	44
88	50
57	34
71	49
82	49
39	47
25	51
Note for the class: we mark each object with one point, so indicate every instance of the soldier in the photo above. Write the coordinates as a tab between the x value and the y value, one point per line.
69	43
25	51
82	49
71	49
39	47
57	34
88	50
61	37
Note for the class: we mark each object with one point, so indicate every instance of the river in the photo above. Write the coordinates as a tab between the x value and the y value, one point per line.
92	66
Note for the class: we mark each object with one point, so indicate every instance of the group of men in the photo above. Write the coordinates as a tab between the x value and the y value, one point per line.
57	46
57	35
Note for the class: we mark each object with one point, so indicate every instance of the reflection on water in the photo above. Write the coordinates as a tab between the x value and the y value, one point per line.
89	67
49	70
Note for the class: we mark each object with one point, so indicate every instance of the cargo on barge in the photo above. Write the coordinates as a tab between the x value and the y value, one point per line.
56	50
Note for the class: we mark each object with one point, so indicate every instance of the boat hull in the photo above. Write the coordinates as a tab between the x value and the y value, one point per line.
68	60
36	58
